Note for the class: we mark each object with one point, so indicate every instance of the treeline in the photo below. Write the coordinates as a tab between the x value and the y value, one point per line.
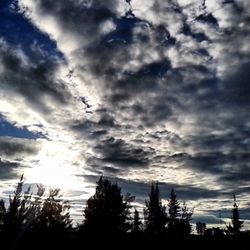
45	218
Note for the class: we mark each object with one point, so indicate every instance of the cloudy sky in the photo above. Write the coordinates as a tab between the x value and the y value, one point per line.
139	91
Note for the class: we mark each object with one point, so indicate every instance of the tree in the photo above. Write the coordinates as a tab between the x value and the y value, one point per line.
185	227
2	214
16	217
107	211
214	231
179	217
155	212
32	216
200	228
53	215
237	224
173	207
173	213
137	224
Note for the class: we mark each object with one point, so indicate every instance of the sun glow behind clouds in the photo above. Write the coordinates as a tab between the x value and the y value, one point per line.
53	168
52	174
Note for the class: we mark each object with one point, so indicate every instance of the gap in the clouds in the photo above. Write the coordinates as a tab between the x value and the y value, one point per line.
124	27
16	30
8	129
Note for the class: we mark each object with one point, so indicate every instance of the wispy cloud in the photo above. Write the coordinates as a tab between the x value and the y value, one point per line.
153	91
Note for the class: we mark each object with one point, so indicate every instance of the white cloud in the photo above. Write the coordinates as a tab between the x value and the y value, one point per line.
104	92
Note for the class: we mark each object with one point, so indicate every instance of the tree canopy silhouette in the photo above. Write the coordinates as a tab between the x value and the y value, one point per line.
179	217
137	224
2	214
155	212
54	214
33	214
200	228
16	217
237	223
107	211
44	217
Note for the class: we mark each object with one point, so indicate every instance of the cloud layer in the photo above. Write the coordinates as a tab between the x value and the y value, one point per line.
146	91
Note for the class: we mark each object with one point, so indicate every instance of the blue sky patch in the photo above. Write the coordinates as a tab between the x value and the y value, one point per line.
8	129
18	31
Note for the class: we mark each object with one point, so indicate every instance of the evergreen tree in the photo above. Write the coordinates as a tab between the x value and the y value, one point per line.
200	228
107	211
173	207
53	214
179	217
237	224
2	214
155	212
16	216
137	224
173	213
185	227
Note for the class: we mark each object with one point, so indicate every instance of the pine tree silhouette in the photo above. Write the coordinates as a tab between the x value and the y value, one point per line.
173	213
54	214
200	228
15	218
179	217
107	211
237	224
2	214
155	212
137	224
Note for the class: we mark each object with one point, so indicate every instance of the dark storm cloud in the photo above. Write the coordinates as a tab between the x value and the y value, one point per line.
237	88
120	154
209	18
142	189
236	5
214	163
165	135
105	119
94	129
171	85
225	154
82	18
199	37
17	148
227	212
8	169
117	150
209	219
196	95
106	54
106	60
154	91
234	140
32	80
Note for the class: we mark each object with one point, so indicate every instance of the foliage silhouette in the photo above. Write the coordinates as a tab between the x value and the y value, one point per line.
32	216
155	213
54	214
16	217
214	231
200	228
2	214
174	207
237	224
179	217
137	224
44	217
107	211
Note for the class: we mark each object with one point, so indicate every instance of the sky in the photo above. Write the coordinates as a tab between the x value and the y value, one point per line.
138	91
